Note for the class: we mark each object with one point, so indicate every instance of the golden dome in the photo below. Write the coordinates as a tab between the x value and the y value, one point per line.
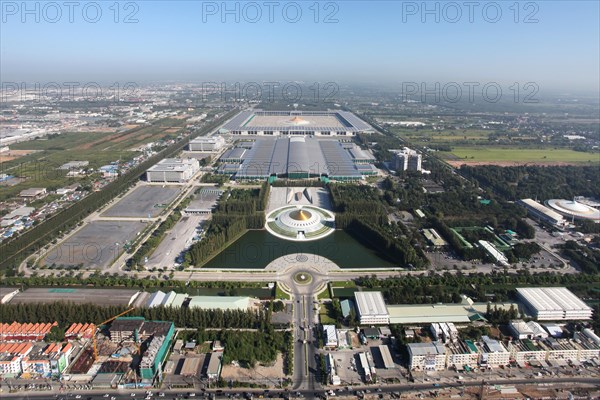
300	215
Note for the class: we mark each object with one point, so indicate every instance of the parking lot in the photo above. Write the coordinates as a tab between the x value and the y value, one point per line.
96	245
143	201
175	241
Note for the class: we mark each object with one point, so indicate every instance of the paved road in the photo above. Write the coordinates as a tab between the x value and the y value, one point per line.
307	393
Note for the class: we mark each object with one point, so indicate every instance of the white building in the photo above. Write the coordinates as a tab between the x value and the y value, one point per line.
541	212
538	331
520	329
496	254
427	356
462	354
371	308
334	379
330	335
173	170
364	363
493	353
406	160
554	303
207	143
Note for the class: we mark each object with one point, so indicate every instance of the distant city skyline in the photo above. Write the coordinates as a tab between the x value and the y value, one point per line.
378	42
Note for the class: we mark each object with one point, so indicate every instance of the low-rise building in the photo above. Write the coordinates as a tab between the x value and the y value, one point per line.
33	193
173	170
11	355
80	331
207	143
520	329
371	308
493	353
386	356
330	336
526	351
427	356
334	379
213	371
462	354
17	331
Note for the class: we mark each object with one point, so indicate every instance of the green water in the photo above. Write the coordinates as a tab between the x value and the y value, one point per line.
256	250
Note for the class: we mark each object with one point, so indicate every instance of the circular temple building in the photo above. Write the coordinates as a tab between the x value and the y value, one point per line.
574	209
300	223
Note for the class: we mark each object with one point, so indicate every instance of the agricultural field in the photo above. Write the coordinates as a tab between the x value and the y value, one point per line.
39	169
508	156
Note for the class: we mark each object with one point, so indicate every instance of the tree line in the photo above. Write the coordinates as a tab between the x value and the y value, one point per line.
238	211
447	288
66	313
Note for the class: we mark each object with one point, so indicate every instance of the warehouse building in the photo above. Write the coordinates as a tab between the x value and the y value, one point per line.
297	157
207	143
386	356
213	371
541	212
284	123
371	308
173	170
330	335
554	303
498	257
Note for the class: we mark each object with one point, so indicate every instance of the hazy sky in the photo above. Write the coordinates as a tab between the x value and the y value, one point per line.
382	41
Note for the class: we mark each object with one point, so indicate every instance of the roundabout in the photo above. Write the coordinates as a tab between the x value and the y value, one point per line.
303	278
300	223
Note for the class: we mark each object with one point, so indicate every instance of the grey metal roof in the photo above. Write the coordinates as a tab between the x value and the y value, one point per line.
350	122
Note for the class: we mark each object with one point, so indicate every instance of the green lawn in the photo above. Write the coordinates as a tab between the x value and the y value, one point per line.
508	154
324	316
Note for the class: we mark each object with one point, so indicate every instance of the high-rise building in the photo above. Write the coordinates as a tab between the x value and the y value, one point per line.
406	160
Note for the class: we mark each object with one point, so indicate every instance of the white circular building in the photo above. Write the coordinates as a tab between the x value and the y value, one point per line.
574	209
300	223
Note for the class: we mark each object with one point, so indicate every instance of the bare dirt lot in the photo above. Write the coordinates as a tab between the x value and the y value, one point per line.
14	154
458	163
267	375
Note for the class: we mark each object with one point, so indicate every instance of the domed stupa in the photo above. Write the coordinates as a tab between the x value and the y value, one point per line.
300	223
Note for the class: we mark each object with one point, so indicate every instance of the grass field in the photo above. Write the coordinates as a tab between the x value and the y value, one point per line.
426	136
488	154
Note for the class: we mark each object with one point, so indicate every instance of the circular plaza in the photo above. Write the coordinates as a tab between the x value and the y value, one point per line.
300	223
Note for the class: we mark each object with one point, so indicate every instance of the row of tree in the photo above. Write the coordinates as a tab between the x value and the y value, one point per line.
238	211
480	287
68	313
122	281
